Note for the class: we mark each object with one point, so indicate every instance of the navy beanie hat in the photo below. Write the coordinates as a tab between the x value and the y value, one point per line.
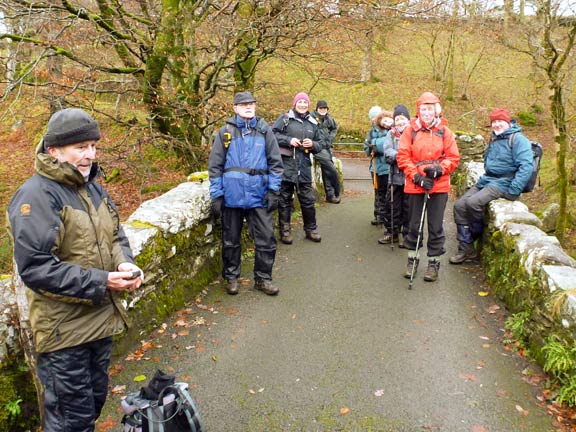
401	110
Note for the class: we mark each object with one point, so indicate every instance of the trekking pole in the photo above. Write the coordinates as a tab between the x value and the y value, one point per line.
419	238
392	215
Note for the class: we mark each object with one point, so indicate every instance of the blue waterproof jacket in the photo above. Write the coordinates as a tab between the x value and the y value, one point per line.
507	167
374	146
244	163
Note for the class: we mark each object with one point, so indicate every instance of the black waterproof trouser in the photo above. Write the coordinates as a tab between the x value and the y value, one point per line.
380	212
261	226
75	385
329	173
306	198
397	220
434	217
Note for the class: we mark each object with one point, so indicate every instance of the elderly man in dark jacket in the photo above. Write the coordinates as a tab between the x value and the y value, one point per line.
245	172
508	163
327	128
298	137
72	254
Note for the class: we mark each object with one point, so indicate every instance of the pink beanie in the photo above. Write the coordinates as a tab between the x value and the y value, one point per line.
301	96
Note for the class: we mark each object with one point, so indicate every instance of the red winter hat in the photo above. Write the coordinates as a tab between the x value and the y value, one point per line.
500	114
301	96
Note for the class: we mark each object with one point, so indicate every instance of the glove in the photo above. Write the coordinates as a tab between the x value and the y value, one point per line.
216	205
390	160
433	171
426	182
271	199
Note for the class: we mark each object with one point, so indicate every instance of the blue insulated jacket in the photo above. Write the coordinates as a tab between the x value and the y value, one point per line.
376	137
244	163
509	169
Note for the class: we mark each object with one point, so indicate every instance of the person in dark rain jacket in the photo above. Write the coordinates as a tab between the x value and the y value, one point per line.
73	257
298	137
508	163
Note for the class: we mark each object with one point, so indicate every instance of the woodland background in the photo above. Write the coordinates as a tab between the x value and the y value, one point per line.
159	76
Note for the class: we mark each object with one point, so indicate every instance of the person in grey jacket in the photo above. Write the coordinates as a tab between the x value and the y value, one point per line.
508	165
74	258
298	138
245	171
327	128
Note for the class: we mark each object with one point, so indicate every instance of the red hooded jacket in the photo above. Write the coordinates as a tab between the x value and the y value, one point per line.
429	147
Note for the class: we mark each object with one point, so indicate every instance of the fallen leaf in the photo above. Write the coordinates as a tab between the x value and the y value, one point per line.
344	411
483	293
261	389
493	309
119	389
108	424
115	370
478	428
501	393
231	311
251	391
139	378
214	357
467	377
379	393
522	410
293	316
181	323
480	364
183	333
484	337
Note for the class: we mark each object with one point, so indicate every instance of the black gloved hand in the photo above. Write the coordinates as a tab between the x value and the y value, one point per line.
217	205
390	160
271	199
425	182
433	171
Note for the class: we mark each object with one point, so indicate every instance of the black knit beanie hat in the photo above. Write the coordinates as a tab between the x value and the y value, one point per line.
401	110
70	126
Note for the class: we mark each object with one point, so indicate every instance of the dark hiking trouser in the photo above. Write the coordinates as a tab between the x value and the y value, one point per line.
329	173
434	218
398	207
261	227
380	212
75	385
305	197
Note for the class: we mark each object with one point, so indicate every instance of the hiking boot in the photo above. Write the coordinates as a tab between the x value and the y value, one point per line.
376	221
388	238
286	234
466	252
266	287
333	199
412	262
432	270
232	286
314	235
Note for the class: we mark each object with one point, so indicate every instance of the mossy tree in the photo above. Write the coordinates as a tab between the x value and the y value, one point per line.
177	56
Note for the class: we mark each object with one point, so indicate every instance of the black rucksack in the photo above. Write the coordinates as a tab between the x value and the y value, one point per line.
537	152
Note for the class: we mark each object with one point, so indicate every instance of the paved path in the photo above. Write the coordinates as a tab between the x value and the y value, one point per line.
346	346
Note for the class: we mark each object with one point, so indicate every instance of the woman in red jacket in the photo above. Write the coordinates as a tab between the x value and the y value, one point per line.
428	154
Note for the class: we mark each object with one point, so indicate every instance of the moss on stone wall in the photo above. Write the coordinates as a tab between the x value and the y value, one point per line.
177	267
18	407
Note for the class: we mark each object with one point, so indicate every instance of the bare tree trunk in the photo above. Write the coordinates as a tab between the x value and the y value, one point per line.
366	74
561	140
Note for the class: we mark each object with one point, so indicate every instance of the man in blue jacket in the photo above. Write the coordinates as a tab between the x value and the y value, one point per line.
245	170
508	165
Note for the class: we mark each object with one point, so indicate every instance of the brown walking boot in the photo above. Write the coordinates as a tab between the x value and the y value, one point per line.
412	262
266	287
286	233
466	252
388	238
432	271
232	286
314	235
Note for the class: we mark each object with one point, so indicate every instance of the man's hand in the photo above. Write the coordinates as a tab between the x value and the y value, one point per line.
307	143
123	279
433	171
217	205
295	142
425	182
271	199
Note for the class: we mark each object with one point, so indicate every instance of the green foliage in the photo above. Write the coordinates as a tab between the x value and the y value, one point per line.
13	407
560	362
516	323
527	118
